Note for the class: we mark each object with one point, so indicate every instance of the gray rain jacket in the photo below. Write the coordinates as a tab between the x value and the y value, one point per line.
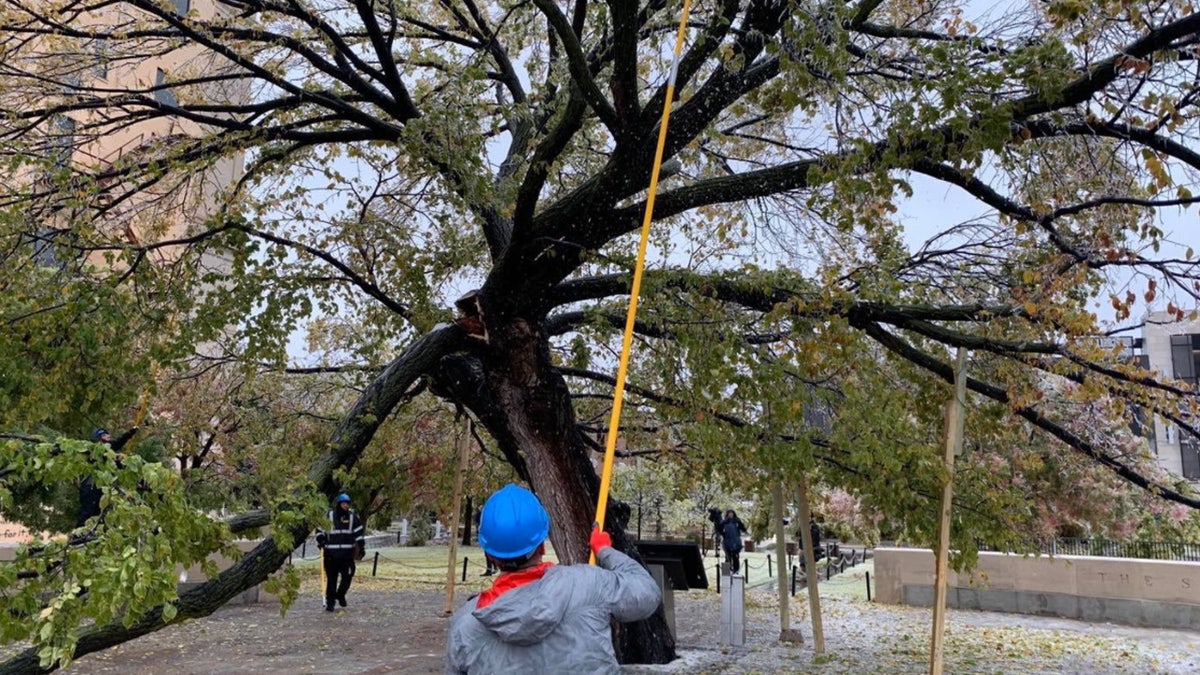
557	624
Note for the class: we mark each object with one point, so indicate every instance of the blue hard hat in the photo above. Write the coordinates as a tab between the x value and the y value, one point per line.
98	434
342	498
513	523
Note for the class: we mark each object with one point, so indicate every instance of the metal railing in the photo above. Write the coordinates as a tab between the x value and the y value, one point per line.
1099	546
1155	550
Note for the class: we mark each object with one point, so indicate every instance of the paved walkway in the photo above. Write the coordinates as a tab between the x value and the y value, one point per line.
392	630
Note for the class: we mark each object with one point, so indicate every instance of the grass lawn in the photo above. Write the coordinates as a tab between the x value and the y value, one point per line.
425	568
413	568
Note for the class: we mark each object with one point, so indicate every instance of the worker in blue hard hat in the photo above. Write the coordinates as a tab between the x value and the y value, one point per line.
538	617
344	543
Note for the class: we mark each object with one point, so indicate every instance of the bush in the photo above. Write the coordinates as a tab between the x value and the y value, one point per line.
419	531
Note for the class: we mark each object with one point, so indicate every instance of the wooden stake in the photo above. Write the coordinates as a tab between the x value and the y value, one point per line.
464	441
810	567
785	621
955	411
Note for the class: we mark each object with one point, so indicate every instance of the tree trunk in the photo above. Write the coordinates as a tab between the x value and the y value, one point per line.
534	406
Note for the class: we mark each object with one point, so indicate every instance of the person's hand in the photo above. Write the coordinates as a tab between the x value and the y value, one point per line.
599	540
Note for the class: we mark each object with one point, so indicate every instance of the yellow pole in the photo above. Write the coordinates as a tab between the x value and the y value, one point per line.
955	409
321	590
614	421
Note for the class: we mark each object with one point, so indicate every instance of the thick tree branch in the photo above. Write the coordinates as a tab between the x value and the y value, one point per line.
577	63
945	372
1105	72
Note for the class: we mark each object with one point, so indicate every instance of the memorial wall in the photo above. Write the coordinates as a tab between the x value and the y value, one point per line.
1159	593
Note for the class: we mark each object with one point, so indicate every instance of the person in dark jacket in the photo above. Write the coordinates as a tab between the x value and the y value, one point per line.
538	617
89	493
344	542
491	566
732	529
715	517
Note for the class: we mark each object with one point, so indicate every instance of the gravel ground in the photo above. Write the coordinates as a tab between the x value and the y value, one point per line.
871	638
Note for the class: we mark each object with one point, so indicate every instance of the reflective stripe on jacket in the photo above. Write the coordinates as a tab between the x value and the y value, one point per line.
558	624
344	535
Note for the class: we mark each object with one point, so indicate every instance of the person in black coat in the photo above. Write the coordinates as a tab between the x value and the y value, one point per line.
89	493
815	531
491	566
732	529
715	517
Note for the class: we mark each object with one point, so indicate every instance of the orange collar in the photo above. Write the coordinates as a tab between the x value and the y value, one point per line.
510	580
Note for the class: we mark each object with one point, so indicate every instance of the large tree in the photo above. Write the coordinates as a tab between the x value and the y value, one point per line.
400	153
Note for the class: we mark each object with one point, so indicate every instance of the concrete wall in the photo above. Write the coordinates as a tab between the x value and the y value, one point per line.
194	576
13	534
1156	593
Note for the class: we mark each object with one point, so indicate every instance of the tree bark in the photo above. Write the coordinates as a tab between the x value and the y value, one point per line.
534	406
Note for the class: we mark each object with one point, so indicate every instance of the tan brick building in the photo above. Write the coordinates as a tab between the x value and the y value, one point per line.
80	145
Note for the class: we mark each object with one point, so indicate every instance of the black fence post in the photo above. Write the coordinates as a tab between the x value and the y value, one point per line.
464	574
375	564
868	586
794	568
828	569
304	550
770	572
718	578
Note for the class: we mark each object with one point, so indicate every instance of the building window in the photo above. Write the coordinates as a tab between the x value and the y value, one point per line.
100	56
54	248
1185	357
1142	425
161	93
61	142
182	6
1189	450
